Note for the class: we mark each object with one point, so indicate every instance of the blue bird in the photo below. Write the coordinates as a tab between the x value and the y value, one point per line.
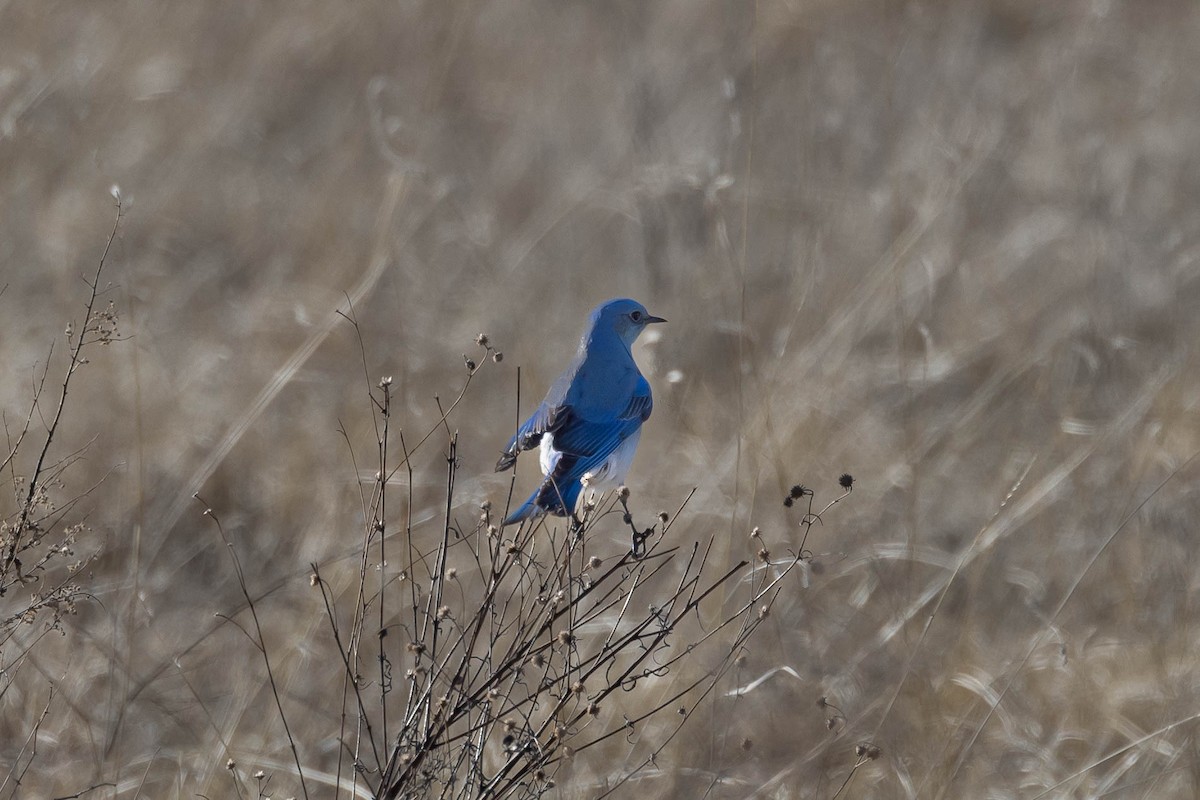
588	425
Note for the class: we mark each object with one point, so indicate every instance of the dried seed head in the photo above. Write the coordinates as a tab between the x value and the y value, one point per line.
594	562
313	580
260	775
764	612
470	362
577	687
537	659
764	555
566	637
482	340
416	648
510	724
663	517
486	505
443	612
788	501
593	709
797	491
756	533
231	764
623	492
846	481
451	573
497	356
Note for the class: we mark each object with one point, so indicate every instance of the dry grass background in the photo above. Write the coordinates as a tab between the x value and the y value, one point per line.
939	245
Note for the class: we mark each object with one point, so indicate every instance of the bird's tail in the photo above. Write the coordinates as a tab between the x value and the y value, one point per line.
547	499
526	510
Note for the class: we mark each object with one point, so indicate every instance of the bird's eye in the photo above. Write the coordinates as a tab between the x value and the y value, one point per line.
636	316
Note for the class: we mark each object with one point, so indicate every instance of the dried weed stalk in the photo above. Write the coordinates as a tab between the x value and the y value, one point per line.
40	524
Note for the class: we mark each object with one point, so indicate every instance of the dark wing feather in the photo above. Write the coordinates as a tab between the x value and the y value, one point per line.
552	414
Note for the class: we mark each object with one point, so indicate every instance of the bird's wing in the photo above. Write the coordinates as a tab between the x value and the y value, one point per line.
583	446
552	414
599	437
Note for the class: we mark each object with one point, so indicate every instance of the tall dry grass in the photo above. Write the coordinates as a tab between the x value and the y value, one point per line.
950	248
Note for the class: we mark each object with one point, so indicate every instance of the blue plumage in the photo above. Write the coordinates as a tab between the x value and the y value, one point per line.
591	419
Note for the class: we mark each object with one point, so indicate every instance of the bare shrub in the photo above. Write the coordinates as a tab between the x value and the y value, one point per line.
41	523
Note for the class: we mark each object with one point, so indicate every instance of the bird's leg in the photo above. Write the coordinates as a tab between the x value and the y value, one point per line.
639	537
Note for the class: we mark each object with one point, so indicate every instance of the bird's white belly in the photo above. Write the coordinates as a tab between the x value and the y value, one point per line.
608	475
612	472
547	456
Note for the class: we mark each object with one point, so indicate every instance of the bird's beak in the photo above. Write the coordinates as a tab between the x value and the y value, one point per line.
650	319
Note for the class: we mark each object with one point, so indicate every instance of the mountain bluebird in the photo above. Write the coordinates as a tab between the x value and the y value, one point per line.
588	425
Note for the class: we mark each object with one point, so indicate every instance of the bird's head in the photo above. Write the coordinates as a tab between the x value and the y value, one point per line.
626	318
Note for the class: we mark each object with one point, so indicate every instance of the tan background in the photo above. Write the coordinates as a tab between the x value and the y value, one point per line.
937	245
